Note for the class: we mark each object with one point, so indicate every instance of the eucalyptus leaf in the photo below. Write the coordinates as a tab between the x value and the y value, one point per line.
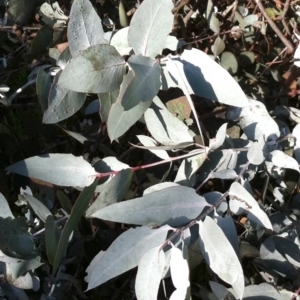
150	26
149	274
174	206
145	83
124	253
120	120
98	69
225	263
171	130
212	20
85	27
63	103
78	210
208	79
59	169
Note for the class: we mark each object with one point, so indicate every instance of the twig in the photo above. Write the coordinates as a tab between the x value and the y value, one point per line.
282	17
285	41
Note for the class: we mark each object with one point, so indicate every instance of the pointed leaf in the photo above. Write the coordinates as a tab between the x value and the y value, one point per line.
38	207
150	26
5	211
188	168
113	192
43	85
208	79
174	206
148	141
241	202
224	263
85	27
220	138
212	20
98	69
51	238
106	102
78	210
170	131
120	120
124	253
149	274
63	103
144	85
59	169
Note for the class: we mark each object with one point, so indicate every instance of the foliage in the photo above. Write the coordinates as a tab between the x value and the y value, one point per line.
186	198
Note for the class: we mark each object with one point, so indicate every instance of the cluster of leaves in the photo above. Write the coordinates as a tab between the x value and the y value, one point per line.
193	205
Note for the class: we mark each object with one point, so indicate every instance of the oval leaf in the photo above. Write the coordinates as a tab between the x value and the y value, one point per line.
98	69
63	103
149	274
150	26
224	263
85	27
144	85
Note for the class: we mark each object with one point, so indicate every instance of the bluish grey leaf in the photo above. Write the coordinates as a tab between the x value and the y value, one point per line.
93	107
254	120
51	238
159	186
120	41
113	192
224	174
98	69
148	141
149	27
64	58
225	263
228	227
38	207
145	83
43	85
106	102
174	206
149	274
63	103
288	249
220	138
274	260
171	130
212	20
59	169
255	154
5	209
241	201
77	212
212	198
120	120
124	253
208	79
85	27
188	168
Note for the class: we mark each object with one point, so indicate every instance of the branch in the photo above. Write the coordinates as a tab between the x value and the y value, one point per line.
286	42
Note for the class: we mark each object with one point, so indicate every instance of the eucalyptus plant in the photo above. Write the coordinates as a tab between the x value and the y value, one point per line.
126	70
